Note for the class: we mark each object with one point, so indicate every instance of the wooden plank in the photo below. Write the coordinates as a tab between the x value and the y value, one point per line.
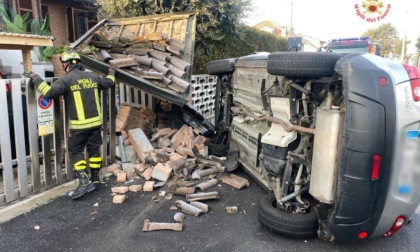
25	40
27	62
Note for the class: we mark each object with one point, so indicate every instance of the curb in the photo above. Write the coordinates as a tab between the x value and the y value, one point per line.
15	209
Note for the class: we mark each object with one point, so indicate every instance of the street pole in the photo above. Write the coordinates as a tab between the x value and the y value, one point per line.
404	39
291	18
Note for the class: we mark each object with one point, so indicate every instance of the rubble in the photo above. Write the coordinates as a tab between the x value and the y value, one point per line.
161	172
135	188
118	199
231	209
179	217
153	226
235	181
148	186
197	175
121	177
188	209
176	160
202	196
141	144
184	190
207	184
147	174
119	189
200	205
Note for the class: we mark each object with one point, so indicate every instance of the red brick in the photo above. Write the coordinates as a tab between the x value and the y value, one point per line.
134	188
118	199
119	189
148	186
122	177
113	167
147	174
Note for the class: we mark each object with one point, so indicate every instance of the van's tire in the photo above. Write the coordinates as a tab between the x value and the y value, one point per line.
302	64
224	66
288	224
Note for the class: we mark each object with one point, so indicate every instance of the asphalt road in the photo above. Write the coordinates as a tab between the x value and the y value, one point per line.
67	225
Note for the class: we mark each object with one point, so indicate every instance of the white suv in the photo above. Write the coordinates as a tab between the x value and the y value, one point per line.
334	140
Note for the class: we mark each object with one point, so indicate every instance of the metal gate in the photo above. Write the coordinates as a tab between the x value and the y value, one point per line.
28	163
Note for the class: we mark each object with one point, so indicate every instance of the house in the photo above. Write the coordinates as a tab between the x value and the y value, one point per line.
309	44
69	19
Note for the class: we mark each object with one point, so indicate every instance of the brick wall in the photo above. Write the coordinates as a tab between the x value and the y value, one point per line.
58	21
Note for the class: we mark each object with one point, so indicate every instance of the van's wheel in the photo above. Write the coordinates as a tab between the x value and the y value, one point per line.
302	64
224	66
289	224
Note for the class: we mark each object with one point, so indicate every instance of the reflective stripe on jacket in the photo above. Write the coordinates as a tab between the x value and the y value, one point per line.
81	93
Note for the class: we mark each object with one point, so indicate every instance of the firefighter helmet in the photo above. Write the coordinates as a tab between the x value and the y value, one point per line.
70	56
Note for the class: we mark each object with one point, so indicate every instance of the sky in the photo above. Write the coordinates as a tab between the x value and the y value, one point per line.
328	19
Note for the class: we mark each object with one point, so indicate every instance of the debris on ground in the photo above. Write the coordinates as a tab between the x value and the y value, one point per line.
153	226
175	160
235	181
231	209
118	199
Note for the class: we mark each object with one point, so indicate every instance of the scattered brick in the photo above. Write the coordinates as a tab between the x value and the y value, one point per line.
113	167
118	199
148	186
122	177
120	189
161	172
134	188
147	174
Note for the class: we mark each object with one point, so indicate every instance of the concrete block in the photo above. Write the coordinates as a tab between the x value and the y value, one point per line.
162	172
196	88
140	143
118	199
130	154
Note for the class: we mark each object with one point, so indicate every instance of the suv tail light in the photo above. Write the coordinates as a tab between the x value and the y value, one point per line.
414	74
399	222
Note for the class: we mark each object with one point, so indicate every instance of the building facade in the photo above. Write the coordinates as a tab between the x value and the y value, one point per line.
69	19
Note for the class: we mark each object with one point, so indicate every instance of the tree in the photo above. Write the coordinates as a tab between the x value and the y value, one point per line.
418	43
387	37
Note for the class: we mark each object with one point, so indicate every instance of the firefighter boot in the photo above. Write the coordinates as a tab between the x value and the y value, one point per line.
85	186
95	177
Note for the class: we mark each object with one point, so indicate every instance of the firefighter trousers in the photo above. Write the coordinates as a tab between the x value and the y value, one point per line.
77	141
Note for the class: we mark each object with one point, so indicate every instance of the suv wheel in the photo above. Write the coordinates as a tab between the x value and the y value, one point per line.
224	66
289	224
302	64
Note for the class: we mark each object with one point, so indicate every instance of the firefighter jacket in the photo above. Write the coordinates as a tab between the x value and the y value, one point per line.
81	93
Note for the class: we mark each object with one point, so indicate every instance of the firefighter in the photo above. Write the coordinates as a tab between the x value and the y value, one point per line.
81	94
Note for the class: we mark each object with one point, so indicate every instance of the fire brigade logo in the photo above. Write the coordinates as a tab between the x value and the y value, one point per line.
372	6
372	10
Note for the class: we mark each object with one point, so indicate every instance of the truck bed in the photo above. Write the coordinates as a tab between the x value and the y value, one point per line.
179	26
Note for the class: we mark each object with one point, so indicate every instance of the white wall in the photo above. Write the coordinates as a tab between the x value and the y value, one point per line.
14	59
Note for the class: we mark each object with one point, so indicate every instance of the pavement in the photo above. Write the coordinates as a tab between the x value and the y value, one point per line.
78	225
